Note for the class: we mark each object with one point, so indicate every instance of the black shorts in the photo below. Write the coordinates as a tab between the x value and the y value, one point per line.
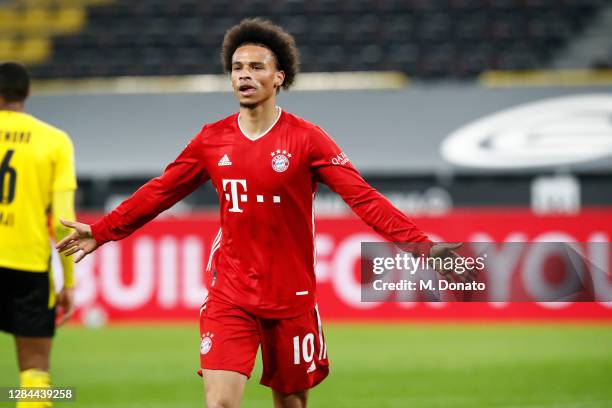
24	304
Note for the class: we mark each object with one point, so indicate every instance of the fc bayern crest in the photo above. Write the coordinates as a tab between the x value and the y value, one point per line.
206	343
280	160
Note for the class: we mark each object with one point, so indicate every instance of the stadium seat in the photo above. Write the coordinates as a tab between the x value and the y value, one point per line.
6	49
68	20
424	38
33	50
9	20
35	20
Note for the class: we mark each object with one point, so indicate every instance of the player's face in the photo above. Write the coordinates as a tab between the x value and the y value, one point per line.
255	77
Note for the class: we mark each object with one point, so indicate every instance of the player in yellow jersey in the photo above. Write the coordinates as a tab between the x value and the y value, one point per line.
37	184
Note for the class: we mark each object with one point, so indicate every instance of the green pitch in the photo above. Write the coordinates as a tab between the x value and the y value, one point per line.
409	365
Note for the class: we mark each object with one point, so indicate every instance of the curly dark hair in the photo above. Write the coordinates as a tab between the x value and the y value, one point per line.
14	82
262	32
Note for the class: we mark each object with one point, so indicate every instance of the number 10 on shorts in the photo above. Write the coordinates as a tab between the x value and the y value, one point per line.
307	348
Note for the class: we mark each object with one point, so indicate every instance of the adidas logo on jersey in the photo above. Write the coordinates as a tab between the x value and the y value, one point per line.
225	161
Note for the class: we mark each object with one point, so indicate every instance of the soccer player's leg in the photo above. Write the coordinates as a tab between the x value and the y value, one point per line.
33	353
229	340
223	389
27	315
292	400
294	357
33	358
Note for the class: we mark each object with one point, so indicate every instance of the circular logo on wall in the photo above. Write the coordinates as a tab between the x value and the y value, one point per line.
280	161
206	343
551	132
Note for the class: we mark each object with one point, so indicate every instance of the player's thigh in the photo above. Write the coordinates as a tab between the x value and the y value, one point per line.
25	307
229	338
223	389
294	353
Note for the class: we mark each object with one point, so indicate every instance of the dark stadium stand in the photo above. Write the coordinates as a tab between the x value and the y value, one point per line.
426	39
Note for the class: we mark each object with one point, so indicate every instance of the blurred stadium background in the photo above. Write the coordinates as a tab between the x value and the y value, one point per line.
486	120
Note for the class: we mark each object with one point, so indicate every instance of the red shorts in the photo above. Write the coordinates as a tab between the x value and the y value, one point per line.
293	350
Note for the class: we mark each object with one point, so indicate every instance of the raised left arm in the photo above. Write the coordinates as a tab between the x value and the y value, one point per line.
332	167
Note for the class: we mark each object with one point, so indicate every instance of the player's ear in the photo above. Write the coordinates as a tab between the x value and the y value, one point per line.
279	78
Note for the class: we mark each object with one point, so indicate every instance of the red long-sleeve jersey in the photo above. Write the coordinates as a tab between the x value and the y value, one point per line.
263	257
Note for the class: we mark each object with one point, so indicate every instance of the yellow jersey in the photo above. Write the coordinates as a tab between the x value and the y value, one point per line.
36	160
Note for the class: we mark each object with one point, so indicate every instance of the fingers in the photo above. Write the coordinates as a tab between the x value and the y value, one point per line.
455	277
459	277
66	315
59	310
73	247
82	231
70	224
447	250
80	255
455	254
60	245
468	275
67	309
68	246
81	247
454	245
72	250
448	272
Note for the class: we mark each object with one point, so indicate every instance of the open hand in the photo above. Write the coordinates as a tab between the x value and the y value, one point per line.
80	242
447	250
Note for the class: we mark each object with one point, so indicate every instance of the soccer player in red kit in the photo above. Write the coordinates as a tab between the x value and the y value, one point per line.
265	164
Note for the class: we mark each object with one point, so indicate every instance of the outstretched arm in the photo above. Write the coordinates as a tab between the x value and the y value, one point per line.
179	179
331	166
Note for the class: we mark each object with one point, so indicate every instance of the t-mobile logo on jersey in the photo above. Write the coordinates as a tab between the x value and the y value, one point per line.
233	195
